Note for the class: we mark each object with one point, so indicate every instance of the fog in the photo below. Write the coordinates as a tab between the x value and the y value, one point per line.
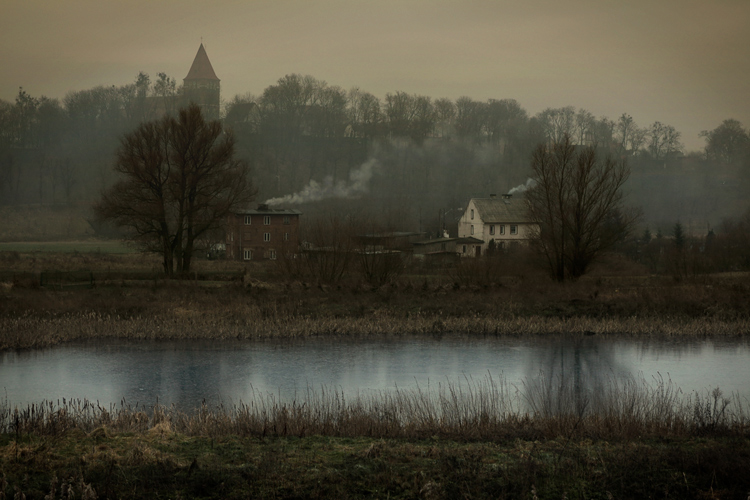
681	62
404	159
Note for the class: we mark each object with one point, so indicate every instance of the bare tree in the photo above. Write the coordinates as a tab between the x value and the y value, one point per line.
583	127
470	118
179	182
557	123
577	202
727	143
663	141
445	112
410	116
327	251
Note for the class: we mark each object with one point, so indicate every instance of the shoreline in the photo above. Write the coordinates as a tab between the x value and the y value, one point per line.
28	332
34	317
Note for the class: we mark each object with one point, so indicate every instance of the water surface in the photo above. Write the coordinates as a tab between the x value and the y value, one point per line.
185	373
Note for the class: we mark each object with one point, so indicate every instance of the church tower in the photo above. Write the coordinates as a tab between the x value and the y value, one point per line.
201	86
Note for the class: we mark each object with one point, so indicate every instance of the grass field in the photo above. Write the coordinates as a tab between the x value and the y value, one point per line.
639	444
85	246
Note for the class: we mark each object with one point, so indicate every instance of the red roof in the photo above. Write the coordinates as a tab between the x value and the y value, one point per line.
201	68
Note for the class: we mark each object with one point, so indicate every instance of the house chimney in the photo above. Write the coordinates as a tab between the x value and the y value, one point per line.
507	196
493	196
263	207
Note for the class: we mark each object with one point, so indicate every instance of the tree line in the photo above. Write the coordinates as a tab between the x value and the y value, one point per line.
431	153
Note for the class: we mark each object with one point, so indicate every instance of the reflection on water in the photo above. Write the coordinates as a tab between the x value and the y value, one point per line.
187	373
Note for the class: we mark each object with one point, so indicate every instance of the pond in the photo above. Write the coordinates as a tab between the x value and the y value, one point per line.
186	373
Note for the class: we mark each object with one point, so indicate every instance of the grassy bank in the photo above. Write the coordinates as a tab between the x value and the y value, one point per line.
627	440
633	441
77	246
171	465
257	304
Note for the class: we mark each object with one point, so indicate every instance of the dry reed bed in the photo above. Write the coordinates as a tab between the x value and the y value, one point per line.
33	332
471	409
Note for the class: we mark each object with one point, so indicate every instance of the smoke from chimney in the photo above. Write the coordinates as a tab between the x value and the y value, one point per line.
359	181
530	183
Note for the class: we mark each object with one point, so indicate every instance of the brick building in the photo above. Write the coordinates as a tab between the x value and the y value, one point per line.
262	233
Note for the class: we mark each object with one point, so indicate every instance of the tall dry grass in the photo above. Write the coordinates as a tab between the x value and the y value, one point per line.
484	409
31	331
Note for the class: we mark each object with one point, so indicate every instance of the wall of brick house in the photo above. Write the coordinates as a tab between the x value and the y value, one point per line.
243	236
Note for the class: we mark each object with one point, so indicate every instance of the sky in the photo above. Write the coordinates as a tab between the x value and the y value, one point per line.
685	63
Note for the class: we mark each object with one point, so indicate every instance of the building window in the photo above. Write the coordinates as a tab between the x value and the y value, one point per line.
272	254
248	220
286	236
267	220
472	229
472	214
502	229
287	219
247	255
266	237
464	249
231	236
513	229
492	229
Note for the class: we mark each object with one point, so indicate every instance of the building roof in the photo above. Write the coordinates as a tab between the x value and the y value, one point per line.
434	241
470	240
501	210
201	68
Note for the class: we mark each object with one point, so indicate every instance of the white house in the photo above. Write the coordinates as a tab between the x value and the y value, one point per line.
503	220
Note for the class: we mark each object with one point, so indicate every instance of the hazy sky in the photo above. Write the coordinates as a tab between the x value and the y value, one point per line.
682	62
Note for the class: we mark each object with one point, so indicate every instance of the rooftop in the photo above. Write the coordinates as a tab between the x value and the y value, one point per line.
201	68
502	210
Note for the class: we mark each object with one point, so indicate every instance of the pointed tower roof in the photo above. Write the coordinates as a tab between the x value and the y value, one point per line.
201	68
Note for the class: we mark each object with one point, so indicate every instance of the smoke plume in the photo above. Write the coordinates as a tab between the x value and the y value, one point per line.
530	183
359	181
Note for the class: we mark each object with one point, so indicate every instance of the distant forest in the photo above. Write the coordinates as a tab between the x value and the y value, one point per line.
424	156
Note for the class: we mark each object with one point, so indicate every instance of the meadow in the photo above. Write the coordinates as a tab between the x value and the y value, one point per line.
465	441
634	440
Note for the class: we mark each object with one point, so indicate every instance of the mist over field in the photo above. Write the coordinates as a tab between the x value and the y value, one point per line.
397	109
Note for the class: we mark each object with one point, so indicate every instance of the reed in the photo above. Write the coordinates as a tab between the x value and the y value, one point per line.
266	321
486	409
